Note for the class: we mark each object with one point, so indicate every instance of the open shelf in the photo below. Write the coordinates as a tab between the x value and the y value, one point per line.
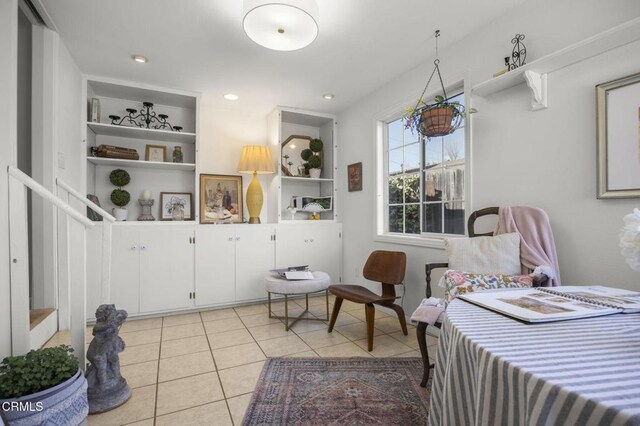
590	47
101	161
305	179
141	133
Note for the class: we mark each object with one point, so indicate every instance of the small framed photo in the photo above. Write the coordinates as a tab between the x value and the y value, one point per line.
220	199
174	202
354	177
155	153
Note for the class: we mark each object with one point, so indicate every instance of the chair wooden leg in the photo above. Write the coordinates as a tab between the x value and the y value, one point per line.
401	318
421	331
334	315
370	313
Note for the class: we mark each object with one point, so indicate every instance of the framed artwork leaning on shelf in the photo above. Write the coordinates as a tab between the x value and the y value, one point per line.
220	199
155	153
175	206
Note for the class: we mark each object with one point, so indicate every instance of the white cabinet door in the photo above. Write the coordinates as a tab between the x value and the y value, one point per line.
166	269
254	258
215	264
318	245
125	269
325	243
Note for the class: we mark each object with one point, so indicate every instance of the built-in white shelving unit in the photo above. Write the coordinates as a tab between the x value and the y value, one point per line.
282	124
114	98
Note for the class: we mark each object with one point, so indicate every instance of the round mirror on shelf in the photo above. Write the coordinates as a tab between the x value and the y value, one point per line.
292	163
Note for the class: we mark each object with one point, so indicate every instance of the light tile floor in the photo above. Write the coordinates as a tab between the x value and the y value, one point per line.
200	368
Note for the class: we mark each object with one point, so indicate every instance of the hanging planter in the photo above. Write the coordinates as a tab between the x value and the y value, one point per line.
439	118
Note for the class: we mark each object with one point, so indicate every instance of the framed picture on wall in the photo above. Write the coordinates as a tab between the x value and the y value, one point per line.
354	177
220	199
618	112
175	206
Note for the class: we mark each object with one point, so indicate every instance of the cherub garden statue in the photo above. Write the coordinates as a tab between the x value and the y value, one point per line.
107	389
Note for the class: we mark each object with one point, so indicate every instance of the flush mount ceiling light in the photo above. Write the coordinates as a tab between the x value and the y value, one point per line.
328	96
231	97
140	58
281	25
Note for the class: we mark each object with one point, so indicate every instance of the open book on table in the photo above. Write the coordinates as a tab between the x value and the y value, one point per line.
294	273
544	304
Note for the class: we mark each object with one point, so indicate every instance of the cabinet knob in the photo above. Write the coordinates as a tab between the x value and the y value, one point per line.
311	240
134	247
230	238
143	247
237	238
306	241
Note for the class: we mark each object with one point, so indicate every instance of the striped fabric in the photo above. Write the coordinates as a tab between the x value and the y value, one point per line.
493	370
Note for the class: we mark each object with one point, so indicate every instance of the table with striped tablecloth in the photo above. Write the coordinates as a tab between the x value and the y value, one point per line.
493	370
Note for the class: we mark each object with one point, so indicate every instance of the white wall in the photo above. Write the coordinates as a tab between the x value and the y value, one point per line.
70	146
223	133
8	129
545	158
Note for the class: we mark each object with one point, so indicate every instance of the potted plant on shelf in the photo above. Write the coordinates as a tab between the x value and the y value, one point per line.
44	386
119	196
313	158
440	118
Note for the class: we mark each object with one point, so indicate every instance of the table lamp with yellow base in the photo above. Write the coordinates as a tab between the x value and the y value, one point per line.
255	159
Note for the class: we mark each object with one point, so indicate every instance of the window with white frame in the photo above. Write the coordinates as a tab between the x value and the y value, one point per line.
424	180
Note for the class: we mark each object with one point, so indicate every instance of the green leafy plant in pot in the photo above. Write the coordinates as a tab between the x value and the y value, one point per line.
313	158
440	118
44	386
119	196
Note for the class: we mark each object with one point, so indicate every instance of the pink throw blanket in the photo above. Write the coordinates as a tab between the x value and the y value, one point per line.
537	246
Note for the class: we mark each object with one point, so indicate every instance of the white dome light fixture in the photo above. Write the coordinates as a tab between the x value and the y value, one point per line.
281	24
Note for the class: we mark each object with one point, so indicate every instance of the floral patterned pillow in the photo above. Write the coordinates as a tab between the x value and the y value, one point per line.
458	283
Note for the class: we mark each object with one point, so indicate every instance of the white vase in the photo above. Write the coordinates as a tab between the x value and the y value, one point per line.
314	173
120	214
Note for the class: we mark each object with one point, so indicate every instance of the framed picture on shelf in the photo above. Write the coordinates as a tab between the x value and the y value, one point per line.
175	206
618	113
220	199
155	153
354	177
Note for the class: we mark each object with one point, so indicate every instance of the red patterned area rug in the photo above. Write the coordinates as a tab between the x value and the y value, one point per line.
340	391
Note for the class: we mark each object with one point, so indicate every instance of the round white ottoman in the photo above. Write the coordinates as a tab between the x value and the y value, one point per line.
286	288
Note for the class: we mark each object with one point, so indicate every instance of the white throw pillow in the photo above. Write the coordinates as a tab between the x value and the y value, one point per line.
485	255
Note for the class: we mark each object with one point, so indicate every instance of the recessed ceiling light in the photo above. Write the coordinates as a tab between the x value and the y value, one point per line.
140	58
231	97
328	96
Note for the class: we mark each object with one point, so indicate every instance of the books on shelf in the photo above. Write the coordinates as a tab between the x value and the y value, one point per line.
294	273
546	304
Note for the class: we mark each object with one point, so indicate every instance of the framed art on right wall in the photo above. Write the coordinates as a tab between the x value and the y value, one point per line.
618	113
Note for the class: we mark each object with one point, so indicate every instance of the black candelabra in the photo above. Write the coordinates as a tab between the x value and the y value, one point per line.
518	54
145	118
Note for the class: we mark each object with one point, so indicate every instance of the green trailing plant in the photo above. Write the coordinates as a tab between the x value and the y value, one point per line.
36	371
119	196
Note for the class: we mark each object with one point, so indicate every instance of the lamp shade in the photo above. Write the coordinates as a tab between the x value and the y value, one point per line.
281	24
256	159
